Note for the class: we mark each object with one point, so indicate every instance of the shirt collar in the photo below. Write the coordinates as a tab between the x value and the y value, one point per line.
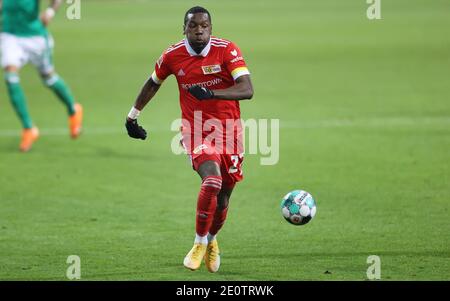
191	51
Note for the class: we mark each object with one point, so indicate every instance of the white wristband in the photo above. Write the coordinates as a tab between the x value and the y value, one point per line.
50	12
134	113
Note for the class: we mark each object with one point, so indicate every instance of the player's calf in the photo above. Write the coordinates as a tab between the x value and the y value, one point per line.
17	96
206	204
61	90
212	256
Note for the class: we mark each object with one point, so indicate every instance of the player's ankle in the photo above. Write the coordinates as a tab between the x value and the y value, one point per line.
201	239
211	237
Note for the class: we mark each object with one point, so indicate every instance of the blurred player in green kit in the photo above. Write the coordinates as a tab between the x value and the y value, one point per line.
24	39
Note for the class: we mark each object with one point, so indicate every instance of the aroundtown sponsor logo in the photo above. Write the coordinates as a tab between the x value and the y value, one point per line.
203	84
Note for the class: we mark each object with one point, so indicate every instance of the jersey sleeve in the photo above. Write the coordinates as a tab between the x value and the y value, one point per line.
162	69
234	61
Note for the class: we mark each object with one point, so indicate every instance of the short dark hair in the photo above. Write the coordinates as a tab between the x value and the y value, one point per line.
194	10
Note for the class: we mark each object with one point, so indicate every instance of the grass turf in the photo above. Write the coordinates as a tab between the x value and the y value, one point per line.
365	127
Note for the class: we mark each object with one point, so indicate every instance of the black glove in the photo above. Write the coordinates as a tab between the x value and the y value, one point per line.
135	130
201	92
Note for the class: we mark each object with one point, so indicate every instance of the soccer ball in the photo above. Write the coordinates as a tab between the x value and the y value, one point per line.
298	207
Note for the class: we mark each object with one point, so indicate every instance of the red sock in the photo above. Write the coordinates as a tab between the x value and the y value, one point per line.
206	203
219	219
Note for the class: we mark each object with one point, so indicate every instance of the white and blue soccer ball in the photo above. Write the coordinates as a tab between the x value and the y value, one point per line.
298	207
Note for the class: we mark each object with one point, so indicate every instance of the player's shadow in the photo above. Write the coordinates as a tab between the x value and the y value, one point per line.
10	147
108	152
92	152
429	253
95	153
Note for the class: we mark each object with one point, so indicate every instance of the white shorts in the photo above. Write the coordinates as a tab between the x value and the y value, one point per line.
19	51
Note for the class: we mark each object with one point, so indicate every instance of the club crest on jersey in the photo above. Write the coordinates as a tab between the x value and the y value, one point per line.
234	52
211	69
181	73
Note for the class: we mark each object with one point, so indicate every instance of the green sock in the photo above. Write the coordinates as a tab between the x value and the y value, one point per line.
59	87
17	98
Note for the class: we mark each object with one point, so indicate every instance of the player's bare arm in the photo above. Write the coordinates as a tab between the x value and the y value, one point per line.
48	14
147	92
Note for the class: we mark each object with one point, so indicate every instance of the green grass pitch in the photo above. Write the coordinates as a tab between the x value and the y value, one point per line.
365	127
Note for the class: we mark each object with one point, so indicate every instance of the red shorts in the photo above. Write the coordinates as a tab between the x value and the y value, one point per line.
230	164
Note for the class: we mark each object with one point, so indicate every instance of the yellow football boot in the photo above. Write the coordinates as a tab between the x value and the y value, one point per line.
212	256
194	258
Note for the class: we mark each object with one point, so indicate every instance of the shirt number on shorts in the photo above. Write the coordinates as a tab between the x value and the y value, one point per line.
234	168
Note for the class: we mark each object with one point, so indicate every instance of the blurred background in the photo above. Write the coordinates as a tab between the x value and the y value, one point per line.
364	109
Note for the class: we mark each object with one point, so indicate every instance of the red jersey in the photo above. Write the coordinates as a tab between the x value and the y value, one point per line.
216	67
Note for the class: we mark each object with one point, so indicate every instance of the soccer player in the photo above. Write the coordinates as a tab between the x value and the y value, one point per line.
212	77
24	38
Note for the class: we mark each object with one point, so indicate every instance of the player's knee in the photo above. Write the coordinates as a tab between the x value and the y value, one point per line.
209	168
49	79
212	184
12	78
